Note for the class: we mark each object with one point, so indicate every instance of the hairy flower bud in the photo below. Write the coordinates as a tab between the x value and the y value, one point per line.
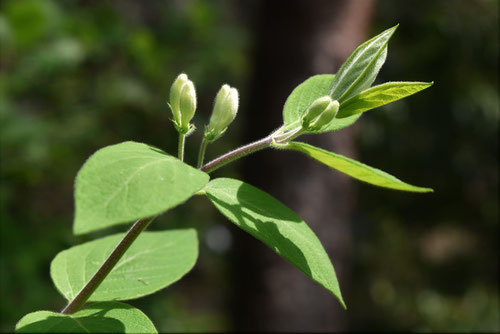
224	112
321	112
182	102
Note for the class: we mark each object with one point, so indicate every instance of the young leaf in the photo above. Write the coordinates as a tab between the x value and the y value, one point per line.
108	317
380	95
128	181
273	223
154	261
304	95
354	168
361	68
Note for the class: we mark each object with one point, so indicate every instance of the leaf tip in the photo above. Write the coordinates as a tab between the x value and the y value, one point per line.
393	29
387	34
344	306
424	190
425	85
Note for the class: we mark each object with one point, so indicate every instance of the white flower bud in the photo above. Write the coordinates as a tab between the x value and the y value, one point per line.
187	103
321	112
182	102
224	112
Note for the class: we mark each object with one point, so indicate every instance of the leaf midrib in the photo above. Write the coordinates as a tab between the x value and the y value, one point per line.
352	64
363	73
147	251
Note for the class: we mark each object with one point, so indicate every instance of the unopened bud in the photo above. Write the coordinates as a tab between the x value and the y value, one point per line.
182	102
224	112
321	112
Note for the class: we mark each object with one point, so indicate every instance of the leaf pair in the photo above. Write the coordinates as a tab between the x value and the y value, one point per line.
119	184
350	86
349	112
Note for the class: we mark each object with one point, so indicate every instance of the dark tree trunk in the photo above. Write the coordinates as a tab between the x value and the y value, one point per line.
297	39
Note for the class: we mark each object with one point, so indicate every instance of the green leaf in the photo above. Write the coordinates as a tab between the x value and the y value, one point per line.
380	95
108	317
128	181
304	95
273	223
354	168
361	68
154	261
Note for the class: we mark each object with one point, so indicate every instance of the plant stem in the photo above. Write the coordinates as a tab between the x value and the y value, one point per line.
201	154
77	303
182	139
289	135
237	153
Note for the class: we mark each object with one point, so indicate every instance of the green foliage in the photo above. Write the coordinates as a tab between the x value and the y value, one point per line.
106	317
267	219
354	168
303	96
154	261
380	95
128	181
361	68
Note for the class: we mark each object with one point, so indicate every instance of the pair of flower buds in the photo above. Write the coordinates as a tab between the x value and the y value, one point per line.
321	112
183	105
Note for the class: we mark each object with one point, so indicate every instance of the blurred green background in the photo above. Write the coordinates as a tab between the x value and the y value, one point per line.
78	75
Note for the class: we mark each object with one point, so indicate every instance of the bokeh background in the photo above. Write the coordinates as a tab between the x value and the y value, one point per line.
79	75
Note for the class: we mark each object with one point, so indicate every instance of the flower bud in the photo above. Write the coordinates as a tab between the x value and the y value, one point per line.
182	102
321	112
224	112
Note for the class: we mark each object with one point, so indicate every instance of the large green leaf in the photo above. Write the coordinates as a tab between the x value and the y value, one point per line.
380	95
354	168
154	261
273	223
108	317
361	68
304	95
128	181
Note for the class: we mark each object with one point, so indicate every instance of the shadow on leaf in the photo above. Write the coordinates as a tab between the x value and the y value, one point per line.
250	214
92	319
